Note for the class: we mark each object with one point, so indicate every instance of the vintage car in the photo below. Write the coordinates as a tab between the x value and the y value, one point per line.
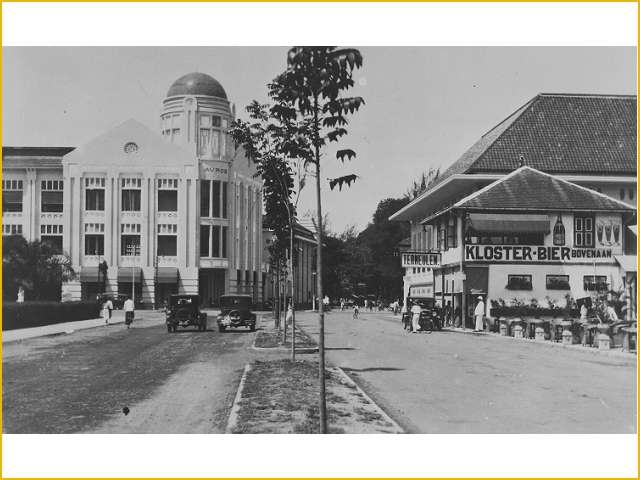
184	311
235	311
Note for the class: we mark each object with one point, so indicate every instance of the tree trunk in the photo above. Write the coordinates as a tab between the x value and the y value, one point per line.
323	403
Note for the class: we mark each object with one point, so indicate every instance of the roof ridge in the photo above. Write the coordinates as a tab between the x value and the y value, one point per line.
595	192
589	95
473	195
520	109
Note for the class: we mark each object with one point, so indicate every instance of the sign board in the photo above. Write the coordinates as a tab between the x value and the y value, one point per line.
535	254
420	259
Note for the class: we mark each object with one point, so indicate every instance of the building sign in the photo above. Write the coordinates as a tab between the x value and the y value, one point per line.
534	253
420	259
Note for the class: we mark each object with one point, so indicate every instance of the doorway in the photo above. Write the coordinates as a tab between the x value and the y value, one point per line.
211	285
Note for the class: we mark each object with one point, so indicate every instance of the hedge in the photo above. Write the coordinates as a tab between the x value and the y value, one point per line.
36	314
527	311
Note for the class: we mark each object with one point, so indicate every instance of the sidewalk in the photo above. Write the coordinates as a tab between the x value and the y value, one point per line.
62	328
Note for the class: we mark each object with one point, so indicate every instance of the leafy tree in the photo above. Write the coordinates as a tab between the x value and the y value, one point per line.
264	141
418	187
311	89
380	238
35	266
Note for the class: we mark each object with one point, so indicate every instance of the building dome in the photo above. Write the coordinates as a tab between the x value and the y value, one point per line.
197	84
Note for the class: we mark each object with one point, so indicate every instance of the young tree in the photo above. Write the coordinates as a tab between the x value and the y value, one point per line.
312	88
35	266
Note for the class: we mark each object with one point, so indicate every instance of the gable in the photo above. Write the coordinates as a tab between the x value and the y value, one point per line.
150	148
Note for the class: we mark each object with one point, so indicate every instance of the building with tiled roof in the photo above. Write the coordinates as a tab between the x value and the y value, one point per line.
542	199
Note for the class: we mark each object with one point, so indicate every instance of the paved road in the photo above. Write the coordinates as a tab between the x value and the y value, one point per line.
172	383
448	382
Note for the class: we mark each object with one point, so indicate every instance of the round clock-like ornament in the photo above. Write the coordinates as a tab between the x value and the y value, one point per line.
130	147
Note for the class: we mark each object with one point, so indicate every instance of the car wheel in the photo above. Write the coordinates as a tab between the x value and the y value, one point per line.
169	328
252	327
221	328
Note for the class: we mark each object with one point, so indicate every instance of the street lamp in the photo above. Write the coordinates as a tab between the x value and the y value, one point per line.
133	250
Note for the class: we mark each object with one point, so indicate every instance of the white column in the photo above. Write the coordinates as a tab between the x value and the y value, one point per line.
144	228
74	231
109	216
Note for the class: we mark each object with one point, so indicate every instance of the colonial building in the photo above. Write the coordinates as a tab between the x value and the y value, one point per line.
304	264
175	211
537	208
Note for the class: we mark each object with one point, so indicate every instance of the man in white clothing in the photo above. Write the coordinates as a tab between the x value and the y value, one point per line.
128	312
478	313
416	310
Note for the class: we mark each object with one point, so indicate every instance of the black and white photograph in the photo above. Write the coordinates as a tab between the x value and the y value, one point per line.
313	239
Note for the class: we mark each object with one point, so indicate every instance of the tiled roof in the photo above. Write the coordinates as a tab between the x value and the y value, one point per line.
559	133
529	189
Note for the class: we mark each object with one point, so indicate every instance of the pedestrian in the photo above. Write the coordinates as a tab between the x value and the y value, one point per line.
356	310
448	314
416	310
110	307
478	313
104	313
342	304
366	303
457	317
289	316
20	295
129	312
611	312
584	311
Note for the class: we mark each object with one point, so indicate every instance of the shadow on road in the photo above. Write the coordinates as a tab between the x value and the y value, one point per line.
373	369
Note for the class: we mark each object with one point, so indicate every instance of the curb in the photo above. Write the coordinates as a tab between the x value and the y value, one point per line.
235	408
60	333
612	353
384	414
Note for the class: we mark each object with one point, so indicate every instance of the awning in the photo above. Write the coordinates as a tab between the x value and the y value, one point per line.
509	223
129	274
89	275
629	263
167	275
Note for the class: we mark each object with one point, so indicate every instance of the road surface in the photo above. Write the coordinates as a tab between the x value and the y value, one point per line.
447	382
170	383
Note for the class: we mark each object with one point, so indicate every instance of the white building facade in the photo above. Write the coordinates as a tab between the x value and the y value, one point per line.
557	176
177	211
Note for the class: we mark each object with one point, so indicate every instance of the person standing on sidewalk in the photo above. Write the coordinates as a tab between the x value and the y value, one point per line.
110	307
416	310
104	313
478	313
129	312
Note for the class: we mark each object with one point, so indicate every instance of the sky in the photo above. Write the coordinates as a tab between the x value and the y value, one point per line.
424	105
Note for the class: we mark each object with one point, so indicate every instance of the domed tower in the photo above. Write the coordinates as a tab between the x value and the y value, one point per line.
196	114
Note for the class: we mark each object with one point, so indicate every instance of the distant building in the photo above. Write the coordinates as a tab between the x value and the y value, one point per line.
304	262
177	211
539	207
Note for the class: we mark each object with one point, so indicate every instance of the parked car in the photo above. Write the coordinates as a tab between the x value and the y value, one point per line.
235	311
184	311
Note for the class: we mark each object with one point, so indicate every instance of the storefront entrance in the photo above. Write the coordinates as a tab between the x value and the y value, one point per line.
211	285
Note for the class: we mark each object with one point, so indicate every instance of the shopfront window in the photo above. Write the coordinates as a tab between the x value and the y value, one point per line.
558	282
583	231
595	283
519	282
